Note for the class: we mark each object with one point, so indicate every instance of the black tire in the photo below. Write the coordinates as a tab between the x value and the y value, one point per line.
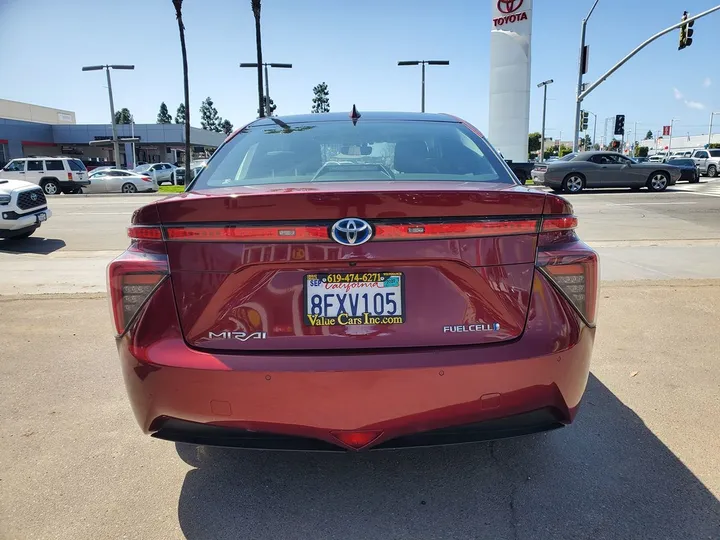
658	181
172	179
573	183
128	188
712	171
695	180
50	187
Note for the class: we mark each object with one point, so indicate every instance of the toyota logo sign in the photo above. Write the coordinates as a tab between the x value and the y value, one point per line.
351	232
509	6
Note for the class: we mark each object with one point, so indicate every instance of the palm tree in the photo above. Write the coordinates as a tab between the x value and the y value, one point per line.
181	28
258	44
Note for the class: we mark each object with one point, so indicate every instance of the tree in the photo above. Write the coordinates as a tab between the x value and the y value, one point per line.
534	142
564	150
596	146
714	145
641	151
227	127
180	114
256	7
209	118
649	135
163	116
321	101
123	116
186	85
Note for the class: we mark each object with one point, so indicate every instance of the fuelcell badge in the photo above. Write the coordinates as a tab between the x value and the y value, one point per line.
494	327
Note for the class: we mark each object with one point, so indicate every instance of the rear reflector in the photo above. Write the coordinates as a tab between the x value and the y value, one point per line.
132	278
356	439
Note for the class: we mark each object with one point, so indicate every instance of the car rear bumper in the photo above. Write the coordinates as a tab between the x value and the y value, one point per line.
412	396
67	184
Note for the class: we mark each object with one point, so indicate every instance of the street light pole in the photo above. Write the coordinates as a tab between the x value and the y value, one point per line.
107	68
266	107
544	86
423	63
582	63
672	121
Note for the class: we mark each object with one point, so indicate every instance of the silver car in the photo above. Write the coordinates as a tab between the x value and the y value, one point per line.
575	172
161	172
119	181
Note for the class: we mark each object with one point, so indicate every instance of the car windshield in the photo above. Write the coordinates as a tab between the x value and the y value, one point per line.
714	153
340	151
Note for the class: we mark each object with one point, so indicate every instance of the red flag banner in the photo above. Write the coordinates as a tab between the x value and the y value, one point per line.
666	130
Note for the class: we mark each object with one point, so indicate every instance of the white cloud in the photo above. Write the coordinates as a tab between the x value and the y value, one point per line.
695	105
678	94
707	82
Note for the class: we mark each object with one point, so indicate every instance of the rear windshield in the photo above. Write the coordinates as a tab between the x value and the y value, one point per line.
338	151
76	165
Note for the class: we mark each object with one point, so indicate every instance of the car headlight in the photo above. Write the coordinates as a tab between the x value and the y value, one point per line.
5	199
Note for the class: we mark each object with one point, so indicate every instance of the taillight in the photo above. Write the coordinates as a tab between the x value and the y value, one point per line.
146	179
69	176
422	231
132	278
356	439
568	263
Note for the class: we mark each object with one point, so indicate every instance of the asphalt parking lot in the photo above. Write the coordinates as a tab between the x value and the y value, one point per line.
641	461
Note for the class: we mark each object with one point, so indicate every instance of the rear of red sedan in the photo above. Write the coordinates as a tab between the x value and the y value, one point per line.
373	281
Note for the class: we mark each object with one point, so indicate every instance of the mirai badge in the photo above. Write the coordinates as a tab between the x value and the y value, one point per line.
240	336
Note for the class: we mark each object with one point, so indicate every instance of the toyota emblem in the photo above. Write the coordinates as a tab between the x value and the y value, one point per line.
33	197
509	6
351	232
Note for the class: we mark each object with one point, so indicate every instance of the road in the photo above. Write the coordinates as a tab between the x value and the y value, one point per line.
641	461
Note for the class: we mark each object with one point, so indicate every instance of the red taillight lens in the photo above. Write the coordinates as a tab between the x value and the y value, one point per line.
139	232
455	230
562	223
575	274
132	278
356	439
146	179
69	176
248	234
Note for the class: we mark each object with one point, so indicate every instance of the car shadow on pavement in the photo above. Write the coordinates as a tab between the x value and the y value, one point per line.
37	245
605	477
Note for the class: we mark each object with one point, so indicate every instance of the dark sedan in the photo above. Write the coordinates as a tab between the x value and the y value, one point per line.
688	169
578	171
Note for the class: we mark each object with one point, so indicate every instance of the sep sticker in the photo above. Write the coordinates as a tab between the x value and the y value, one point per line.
393	281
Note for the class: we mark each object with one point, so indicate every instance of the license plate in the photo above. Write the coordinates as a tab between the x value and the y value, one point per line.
355	298
42	216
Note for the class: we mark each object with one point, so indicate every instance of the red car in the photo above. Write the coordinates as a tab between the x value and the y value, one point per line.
335	281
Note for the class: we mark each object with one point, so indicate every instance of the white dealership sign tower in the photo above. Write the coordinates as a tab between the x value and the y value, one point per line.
510	44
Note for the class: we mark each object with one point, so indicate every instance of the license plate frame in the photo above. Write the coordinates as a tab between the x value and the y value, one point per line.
343	283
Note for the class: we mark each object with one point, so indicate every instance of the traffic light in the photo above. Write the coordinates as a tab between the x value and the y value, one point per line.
620	124
585	120
686	32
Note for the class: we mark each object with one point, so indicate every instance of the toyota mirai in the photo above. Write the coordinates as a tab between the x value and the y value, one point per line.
354	281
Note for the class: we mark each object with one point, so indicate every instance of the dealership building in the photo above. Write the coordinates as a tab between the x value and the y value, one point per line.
32	130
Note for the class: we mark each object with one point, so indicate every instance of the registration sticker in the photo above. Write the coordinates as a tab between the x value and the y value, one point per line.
356	298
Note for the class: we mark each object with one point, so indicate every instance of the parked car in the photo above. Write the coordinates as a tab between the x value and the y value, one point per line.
119	181
53	175
641	159
576	172
707	161
688	170
323	305
23	208
659	157
161	172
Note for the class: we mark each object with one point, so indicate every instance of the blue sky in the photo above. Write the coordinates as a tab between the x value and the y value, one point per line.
354	47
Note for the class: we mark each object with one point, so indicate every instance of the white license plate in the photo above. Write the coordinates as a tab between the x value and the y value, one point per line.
42	216
354	298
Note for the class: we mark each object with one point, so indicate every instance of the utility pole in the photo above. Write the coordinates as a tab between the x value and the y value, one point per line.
107	68
594	129
582	69
544	86
423	63
266	106
711	126
672	121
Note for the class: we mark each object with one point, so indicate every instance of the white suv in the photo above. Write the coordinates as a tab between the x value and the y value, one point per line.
23	208
53	175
